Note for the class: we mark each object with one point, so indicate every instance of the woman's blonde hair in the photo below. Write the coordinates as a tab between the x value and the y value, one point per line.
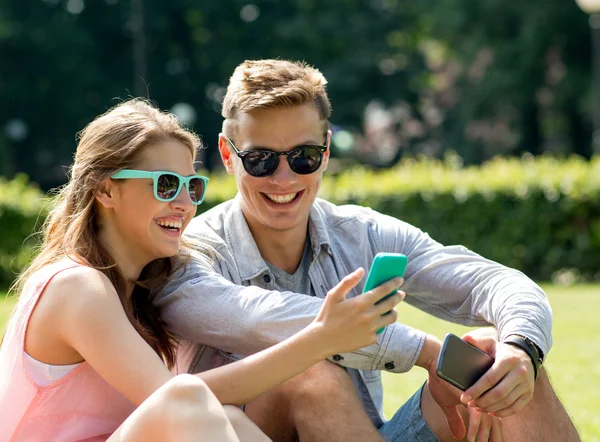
111	142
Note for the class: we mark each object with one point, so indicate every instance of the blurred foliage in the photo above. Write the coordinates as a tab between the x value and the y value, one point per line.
540	215
420	77
22	210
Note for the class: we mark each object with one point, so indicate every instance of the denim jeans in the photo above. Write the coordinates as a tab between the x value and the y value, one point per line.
408	424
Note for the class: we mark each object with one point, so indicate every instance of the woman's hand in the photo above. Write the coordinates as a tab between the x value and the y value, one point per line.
349	324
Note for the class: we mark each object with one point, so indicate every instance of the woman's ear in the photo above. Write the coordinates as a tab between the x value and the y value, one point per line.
106	193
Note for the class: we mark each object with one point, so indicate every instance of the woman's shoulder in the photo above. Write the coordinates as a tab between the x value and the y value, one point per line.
83	279
72	283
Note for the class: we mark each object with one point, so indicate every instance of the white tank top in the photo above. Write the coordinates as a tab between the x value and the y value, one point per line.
44	374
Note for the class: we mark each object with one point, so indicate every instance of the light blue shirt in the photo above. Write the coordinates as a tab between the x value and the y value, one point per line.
226	306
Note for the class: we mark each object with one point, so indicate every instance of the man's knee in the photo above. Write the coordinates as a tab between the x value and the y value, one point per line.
310	390
323	381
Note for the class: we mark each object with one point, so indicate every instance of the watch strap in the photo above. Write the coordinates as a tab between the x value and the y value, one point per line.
528	347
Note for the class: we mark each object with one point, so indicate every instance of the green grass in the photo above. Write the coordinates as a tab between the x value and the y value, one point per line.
573	363
6	306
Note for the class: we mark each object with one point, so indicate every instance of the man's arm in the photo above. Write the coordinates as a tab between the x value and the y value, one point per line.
201	306
461	286
458	285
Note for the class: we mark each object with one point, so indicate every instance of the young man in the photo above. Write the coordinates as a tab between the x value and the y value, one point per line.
275	251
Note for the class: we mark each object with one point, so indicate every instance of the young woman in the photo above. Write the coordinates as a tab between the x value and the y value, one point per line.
86	356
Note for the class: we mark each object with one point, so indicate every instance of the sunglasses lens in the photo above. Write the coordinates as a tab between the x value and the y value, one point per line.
197	188
305	160
260	163
166	187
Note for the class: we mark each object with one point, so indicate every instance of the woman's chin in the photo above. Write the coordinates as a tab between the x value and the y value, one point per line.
166	251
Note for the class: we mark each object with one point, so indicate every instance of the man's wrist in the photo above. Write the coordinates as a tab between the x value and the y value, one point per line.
528	347
429	353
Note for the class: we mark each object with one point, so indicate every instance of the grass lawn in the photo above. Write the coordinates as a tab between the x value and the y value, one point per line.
573	363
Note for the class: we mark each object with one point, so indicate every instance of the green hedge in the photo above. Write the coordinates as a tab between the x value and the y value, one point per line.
540	215
22	211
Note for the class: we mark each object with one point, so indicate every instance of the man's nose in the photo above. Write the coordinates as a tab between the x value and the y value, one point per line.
283	175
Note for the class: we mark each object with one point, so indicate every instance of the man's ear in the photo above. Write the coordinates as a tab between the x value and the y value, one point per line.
225	151
327	152
106	193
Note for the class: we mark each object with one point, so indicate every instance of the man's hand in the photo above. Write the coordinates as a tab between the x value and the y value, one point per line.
481	425
447	397
508	385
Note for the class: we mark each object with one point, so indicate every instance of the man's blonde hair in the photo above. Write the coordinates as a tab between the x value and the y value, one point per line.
271	84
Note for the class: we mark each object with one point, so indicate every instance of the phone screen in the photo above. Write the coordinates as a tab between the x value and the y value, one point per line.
462	364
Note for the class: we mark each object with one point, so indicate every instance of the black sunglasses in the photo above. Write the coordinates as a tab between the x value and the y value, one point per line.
259	163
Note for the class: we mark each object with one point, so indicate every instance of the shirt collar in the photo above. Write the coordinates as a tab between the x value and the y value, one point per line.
239	240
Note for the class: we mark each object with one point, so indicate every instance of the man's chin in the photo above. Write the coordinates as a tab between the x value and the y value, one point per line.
280	226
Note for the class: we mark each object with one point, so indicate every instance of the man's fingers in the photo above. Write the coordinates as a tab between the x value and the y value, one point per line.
470	339
515	407
484	343
505	402
474	421
500	392
487	381
455	422
496	434
485	427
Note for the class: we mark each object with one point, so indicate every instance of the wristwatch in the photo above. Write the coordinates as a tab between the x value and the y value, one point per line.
529	347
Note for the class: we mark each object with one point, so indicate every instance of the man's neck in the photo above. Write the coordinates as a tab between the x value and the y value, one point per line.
283	249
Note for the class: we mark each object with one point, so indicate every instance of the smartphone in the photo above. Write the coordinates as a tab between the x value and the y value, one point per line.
385	266
460	363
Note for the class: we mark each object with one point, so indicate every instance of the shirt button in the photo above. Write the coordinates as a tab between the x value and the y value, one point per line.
267	278
338	358
389	366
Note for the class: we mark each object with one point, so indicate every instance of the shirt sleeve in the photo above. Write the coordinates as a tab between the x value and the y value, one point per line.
458	285
201	306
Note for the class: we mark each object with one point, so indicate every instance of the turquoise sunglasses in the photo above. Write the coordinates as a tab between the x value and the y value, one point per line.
167	185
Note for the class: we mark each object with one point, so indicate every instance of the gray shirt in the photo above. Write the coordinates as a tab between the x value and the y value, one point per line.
225	306
297	282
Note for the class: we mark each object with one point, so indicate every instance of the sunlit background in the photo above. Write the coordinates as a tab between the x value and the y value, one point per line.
477	121
405	77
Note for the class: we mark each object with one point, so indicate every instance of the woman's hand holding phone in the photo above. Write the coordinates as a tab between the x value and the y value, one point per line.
350	324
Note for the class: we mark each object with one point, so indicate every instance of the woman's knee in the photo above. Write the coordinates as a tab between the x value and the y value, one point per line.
186	397
235	415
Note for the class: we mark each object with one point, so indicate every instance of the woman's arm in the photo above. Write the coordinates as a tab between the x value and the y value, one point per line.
95	325
342	325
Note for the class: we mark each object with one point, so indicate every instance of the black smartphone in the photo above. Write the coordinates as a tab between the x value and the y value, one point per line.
460	363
